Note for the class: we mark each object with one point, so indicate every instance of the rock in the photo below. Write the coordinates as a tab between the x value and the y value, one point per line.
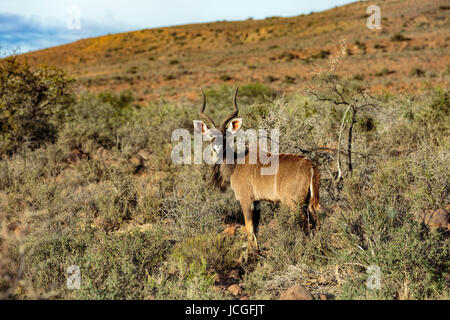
437	219
235	289
297	292
244	298
323	297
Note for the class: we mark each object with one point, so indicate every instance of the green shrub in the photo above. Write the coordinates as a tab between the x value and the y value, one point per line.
361	46
204	211
418	181
289	243
33	104
417	72
270	79
289	79
322	54
225	77
113	266
97	118
435	116
399	37
194	283
413	262
384	72
220	99
288	56
115	202
219	252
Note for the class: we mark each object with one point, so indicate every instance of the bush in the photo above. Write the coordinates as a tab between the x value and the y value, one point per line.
219	252
115	202
225	77
412	261
220	99
399	37
114	266
288	56
322	54
33	104
417	72
384	72
97	118
434	117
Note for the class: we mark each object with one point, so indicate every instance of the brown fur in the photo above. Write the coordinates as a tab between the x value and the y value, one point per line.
292	184
296	182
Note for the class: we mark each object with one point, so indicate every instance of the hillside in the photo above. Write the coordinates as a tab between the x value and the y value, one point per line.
409	52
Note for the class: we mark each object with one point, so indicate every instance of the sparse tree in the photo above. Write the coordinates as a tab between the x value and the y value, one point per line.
343	93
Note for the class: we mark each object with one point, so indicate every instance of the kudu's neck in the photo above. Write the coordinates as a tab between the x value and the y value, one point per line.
221	174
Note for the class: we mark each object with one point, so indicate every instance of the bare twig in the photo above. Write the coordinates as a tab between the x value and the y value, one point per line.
338	155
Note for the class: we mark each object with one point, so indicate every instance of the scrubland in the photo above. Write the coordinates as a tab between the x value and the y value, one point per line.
87	179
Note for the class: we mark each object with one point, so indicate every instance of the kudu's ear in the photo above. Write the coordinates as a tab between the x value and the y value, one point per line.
235	125
200	127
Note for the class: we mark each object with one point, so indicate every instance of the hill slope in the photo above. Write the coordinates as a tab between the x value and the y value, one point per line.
410	51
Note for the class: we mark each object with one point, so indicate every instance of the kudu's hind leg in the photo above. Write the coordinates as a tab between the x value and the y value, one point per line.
312	212
256	208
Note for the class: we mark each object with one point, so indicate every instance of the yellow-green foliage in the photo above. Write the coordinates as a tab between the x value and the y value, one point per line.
33	104
218	252
113	266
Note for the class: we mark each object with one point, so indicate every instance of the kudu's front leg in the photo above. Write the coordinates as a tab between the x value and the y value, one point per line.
251	223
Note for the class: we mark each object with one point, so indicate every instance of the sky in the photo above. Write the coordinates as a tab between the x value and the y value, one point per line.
28	25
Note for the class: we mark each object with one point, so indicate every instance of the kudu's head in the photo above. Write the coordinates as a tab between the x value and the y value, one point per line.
218	135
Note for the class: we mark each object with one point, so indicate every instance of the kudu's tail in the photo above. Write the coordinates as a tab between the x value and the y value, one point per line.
314	201
314	188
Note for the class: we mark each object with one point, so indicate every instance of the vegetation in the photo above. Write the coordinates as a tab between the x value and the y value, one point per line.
399	37
102	193
33	104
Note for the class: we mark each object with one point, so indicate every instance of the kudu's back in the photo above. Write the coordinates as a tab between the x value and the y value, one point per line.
295	182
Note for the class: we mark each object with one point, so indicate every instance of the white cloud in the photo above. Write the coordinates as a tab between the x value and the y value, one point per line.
35	24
